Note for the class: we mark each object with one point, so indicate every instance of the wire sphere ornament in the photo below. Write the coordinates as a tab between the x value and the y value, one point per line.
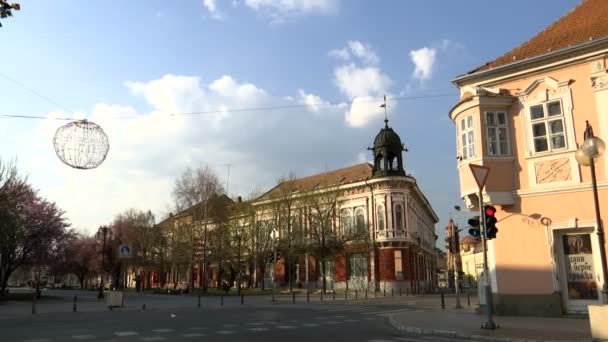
81	144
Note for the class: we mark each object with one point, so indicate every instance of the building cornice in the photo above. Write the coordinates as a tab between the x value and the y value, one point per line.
558	57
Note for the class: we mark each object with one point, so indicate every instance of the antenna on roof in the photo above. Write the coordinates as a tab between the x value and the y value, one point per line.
227	179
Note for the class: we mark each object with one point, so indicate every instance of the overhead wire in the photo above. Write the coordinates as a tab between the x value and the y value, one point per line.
207	112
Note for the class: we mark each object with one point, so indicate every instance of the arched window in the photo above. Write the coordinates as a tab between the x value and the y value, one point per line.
360	220
380	161
347	221
399	217
380	216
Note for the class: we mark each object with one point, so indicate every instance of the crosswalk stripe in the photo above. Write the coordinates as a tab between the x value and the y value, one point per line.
385	311
125	333
83	337
153	338
164	330
192	335
259	329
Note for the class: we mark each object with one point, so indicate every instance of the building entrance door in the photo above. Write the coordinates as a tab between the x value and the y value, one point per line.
577	270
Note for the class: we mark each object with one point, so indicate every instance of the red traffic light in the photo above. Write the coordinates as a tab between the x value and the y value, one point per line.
490	210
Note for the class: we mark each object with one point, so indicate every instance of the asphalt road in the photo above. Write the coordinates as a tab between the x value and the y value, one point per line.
282	322
175	318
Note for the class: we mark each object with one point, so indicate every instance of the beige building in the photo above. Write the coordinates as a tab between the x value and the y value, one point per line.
471	255
523	115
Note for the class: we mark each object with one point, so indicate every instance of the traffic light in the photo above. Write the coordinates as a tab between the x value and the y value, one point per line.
490	226
474	223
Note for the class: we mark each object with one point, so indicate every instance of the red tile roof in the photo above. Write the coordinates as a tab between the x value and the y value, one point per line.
345	175
585	22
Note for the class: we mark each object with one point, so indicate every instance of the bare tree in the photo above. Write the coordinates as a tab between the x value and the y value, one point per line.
192	193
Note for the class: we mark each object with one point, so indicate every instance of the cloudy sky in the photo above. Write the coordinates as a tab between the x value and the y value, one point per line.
310	74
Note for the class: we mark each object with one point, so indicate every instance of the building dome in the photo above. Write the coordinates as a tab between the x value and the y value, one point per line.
387	138
388	158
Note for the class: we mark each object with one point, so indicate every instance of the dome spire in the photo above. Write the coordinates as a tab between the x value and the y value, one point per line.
385	114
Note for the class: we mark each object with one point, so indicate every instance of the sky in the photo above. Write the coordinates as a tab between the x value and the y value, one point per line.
280	86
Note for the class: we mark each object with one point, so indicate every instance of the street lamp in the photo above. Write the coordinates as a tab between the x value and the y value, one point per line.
238	274
102	233
593	147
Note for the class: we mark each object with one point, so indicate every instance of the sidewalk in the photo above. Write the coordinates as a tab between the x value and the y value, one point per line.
465	323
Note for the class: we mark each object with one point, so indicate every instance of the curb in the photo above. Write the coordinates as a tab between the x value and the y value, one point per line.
455	334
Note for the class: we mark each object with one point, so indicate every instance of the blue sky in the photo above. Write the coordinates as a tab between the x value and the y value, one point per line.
145	59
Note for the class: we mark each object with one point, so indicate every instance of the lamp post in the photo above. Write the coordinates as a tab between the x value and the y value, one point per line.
102	232
238	274
593	147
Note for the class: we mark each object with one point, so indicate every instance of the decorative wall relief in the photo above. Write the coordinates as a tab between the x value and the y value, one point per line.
555	170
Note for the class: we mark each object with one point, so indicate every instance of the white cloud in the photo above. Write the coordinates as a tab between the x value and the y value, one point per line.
340	54
363	110
149	149
424	60
279	10
355	81
211	7
315	103
363	51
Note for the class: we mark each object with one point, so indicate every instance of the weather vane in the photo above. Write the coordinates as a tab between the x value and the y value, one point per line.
384	105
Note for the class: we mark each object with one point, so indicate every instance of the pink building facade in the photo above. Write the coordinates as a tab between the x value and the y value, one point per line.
523	115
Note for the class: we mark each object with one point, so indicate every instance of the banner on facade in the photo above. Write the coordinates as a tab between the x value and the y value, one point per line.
579	267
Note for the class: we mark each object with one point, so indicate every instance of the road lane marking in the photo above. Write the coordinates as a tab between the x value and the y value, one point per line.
163	330
153	338
197	328
225	332
126	333
192	335
310	324
286	327
258	329
83	337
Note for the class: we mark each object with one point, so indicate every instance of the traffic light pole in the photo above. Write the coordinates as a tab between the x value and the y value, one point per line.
486	270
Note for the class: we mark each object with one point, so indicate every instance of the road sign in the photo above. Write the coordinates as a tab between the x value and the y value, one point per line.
480	173
125	251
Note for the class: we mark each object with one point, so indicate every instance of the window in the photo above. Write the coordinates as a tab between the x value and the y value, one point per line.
380	216
398	266
496	127
347	222
359	220
399	217
467	138
357	265
547	120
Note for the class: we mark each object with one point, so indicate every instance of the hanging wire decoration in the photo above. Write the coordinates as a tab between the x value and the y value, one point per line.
81	144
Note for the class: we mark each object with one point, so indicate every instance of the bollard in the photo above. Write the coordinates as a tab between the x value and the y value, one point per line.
293	297
321	295
392	292
143	307
334	294
356	295
384	292
468	299
365	294
222	300
344	294
34	304
199	299
307	296
74	306
442	301
399	292
242	299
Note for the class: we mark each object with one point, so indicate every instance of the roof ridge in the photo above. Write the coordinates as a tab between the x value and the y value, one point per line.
554	37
